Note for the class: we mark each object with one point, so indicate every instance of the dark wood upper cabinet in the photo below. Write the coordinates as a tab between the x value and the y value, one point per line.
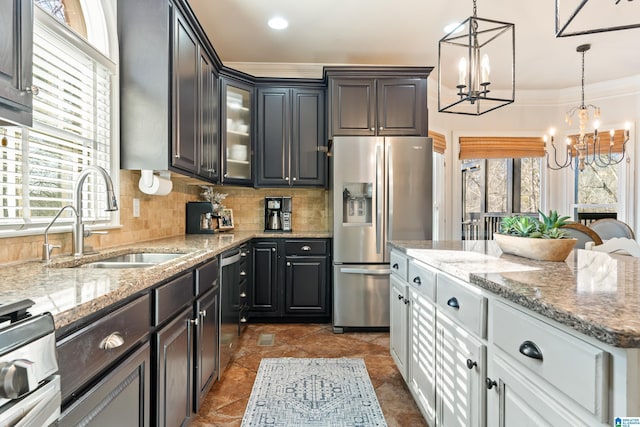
16	69
371	101
291	137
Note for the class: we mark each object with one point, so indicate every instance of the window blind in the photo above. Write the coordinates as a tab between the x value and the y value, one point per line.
500	147
71	129
439	142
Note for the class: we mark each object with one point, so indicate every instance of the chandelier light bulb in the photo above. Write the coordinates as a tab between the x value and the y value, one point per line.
462	71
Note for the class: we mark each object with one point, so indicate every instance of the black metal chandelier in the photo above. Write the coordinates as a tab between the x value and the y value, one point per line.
585	149
595	16
468	83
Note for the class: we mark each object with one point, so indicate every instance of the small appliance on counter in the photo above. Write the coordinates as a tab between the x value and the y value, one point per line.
277	213
200	218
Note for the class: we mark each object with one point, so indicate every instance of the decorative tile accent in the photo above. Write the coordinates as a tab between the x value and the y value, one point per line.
313	392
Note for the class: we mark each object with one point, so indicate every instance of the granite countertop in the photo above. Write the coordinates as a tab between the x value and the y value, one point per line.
70	294
594	293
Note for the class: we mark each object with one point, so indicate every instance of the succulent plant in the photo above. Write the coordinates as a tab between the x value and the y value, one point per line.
547	227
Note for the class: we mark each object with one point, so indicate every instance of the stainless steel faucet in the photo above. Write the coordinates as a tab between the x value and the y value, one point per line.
112	205
79	232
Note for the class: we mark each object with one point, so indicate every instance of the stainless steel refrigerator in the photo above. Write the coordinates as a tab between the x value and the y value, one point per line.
380	190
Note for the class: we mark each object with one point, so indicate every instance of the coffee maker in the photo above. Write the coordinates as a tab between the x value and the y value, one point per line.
277	213
200	218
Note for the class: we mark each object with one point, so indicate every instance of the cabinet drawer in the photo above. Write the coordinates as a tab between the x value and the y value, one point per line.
573	366
398	262
171	297
207	277
462	303
305	247
423	279
84	354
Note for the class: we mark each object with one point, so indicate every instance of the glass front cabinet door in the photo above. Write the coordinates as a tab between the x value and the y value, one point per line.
237	147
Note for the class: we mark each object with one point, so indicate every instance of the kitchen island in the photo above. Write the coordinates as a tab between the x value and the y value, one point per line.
494	339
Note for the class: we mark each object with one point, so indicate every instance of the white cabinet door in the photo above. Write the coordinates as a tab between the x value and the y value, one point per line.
515	401
422	353
460	376
398	324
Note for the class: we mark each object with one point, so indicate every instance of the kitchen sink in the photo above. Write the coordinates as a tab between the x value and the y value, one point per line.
135	260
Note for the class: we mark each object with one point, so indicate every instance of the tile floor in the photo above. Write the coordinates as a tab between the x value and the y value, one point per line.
226	402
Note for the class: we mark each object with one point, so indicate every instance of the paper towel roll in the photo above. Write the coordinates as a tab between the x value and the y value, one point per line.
158	186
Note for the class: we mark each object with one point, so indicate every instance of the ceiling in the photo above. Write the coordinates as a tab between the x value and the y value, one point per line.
406	32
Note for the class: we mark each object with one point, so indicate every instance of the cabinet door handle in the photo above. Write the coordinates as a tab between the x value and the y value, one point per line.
417	280
471	364
286	178
306	248
395	266
453	303
490	383
530	349
111	341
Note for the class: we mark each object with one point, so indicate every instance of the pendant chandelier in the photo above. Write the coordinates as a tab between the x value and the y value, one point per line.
463	63
585	149
592	16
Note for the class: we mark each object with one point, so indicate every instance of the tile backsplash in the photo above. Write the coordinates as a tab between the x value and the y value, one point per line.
164	216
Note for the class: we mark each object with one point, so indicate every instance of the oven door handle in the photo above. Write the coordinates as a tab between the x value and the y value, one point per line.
230	260
47	410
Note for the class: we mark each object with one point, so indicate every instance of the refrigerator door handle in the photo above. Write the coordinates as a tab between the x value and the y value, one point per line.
379	201
370	272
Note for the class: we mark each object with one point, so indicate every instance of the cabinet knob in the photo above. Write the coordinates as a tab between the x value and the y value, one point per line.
453	303
243	320
295	179
243	273
288	264
273	249
372	129
530	349
490	383
194	322
381	128
417	280
243	253
33	89
306	248
243	295
471	364
203	313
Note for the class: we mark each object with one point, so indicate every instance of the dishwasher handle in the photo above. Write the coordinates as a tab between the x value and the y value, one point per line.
224	261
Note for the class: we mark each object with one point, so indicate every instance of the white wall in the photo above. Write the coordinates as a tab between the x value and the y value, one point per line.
532	114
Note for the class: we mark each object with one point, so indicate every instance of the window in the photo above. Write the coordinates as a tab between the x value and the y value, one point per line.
72	128
596	193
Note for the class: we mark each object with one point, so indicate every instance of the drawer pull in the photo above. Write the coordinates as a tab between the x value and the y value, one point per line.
406	301
306	248
490	383
395	266
531	350
111	341
417	280
243	320
243	273
471	364
453	303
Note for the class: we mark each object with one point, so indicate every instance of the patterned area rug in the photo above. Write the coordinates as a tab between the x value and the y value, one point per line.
313	393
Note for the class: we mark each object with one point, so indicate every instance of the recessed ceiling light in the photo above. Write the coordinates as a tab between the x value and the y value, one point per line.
449	28
278	23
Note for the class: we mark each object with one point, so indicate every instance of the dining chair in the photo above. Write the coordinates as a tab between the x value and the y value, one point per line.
583	233
608	228
619	245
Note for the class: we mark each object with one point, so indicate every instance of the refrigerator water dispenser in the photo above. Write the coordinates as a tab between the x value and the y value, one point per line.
357	203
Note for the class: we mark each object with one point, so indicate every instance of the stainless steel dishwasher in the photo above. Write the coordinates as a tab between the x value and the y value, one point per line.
233	307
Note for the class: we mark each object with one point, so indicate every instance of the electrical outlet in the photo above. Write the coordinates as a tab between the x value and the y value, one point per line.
136	208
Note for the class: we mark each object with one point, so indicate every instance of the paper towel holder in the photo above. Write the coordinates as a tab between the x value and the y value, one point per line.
159	185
